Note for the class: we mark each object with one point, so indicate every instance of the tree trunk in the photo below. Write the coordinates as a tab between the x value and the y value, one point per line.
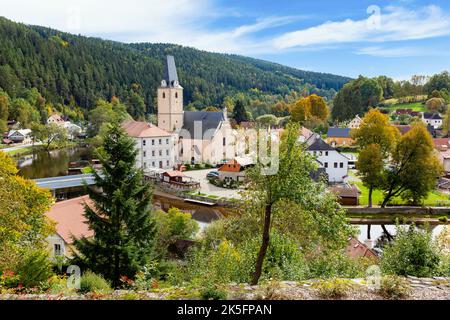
383	205
368	231
370	197
264	246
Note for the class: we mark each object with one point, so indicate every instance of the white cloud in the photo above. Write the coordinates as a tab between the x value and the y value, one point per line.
189	22
397	24
399	52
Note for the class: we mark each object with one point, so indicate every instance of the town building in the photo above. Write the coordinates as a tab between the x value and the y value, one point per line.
70	223
235	169
20	136
155	146
200	137
334	163
339	137
433	119
56	119
355	123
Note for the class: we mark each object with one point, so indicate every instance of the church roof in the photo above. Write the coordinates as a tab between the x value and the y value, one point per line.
139	129
209	121
170	72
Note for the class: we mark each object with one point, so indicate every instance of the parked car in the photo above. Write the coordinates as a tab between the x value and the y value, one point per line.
212	174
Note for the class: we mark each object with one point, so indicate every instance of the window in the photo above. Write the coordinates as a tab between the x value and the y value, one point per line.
176	95
160	153
57	249
335	164
326	164
164	95
153	153
153	142
167	141
144	142
145	165
160	164
167	152
153	163
145	154
167	162
326	153
224	141
160	141
341	165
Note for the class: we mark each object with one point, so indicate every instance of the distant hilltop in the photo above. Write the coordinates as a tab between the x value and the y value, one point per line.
79	70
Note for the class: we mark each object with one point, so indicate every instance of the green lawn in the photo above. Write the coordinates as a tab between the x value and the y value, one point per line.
417	106
19	152
435	198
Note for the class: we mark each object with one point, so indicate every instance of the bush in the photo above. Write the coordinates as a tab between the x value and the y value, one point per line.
394	287
91	282
413	252
334	288
34	269
212	292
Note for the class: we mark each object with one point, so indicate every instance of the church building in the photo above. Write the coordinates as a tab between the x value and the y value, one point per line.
200	137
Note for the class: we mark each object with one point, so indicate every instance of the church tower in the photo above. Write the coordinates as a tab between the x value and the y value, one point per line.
170	99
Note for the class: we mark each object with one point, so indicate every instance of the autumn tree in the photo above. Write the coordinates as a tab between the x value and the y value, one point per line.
436	105
413	169
376	138
23	224
310	111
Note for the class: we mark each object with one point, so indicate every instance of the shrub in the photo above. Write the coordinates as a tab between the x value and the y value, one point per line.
212	292
34	269
413	252
394	287
8	279
272	291
91	282
334	288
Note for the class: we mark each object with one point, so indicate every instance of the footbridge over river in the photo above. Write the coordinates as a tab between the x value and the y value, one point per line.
63	182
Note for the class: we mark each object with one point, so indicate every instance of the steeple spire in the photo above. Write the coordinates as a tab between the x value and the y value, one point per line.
170	73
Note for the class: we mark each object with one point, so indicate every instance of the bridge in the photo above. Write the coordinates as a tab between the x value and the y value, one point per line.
55	183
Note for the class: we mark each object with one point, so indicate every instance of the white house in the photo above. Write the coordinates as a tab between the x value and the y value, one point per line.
334	163
433	119
155	146
20	136
355	123
72	129
56	119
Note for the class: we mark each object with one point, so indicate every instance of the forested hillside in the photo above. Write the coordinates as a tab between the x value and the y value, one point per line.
76	70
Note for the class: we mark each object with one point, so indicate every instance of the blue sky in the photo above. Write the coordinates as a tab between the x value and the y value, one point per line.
398	38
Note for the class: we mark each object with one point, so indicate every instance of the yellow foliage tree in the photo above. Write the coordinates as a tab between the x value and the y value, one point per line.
23	224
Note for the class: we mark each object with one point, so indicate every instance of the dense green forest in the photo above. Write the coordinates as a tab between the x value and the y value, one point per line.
76	70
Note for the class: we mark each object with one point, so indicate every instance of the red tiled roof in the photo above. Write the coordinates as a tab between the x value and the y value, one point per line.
174	174
439	142
357	249
69	219
139	129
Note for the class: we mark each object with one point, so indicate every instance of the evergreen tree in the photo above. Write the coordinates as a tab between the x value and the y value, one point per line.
121	218
239	112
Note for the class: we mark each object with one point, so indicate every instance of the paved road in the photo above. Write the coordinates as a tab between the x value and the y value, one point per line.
65	181
20	147
208	188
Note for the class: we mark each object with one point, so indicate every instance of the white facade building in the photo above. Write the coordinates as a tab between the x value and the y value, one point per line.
155	146
433	119
355	123
334	163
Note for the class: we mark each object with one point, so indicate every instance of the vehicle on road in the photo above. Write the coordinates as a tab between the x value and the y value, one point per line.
212	174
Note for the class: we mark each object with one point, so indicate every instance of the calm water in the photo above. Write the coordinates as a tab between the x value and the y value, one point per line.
43	164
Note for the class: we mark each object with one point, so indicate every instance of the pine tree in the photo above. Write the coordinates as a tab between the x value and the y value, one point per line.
239	112
121	218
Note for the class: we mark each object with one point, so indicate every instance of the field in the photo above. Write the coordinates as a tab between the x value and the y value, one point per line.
435	198
416	106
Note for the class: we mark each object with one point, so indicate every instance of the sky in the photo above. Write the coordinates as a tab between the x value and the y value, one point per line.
397	38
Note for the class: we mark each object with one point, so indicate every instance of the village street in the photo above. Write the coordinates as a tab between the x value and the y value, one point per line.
210	189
